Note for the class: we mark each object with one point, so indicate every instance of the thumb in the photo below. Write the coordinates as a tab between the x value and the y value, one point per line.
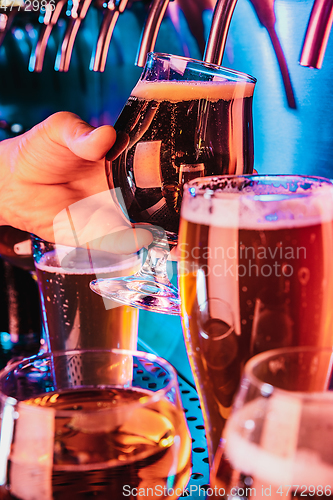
85	141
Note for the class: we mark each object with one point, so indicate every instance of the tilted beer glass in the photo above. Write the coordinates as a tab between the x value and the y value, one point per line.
184	119
263	245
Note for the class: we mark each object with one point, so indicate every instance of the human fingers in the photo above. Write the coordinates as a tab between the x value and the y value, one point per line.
99	221
85	141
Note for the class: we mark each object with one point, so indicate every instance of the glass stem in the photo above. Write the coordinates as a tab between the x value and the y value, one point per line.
155	265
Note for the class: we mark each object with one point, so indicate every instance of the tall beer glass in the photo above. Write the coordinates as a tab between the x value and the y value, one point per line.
278	440
74	317
184	119
263	245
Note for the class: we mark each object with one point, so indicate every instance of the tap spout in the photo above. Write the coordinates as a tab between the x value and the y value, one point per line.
217	37
110	18
150	30
317	34
8	11
50	20
79	11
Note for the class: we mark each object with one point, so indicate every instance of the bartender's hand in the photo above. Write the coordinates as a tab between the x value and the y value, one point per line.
47	174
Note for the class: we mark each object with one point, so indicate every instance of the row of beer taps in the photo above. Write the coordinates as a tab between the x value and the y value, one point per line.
312	54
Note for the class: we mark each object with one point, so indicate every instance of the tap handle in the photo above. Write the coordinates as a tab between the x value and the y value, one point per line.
79	11
219	30
50	19
150	30
112	11
317	34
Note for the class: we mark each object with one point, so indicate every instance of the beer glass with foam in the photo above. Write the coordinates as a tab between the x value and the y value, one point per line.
74	317
277	442
263	245
184	119
72	428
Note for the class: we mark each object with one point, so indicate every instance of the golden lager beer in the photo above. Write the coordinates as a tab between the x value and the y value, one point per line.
262	245
73	315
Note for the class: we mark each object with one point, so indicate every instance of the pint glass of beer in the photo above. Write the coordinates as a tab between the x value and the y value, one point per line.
263	245
278	440
73	315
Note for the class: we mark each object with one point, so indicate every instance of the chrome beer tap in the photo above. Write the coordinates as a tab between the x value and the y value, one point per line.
51	18
111	15
78	13
215	45
6	20
219	30
317	34
8	11
150	30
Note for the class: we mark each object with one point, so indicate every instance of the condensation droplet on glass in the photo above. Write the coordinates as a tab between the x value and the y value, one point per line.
303	275
244	289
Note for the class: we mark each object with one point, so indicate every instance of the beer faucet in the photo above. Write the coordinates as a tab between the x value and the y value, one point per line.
150	30
6	20
215	45
317	34
78	13
50	19
219	30
112	11
8	10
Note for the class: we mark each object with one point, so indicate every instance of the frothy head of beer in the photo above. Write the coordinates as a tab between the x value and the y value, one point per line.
66	260
188	90
258	202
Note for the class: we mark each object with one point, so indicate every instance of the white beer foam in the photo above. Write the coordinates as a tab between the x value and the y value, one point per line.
98	262
229	210
175	91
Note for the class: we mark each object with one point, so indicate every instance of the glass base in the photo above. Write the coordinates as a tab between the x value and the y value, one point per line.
139	292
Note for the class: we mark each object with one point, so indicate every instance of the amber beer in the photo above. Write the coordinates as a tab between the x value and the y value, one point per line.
271	264
105	458
179	130
73	315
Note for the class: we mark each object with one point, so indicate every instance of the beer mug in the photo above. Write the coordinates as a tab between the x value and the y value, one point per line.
278	439
263	245
74	316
